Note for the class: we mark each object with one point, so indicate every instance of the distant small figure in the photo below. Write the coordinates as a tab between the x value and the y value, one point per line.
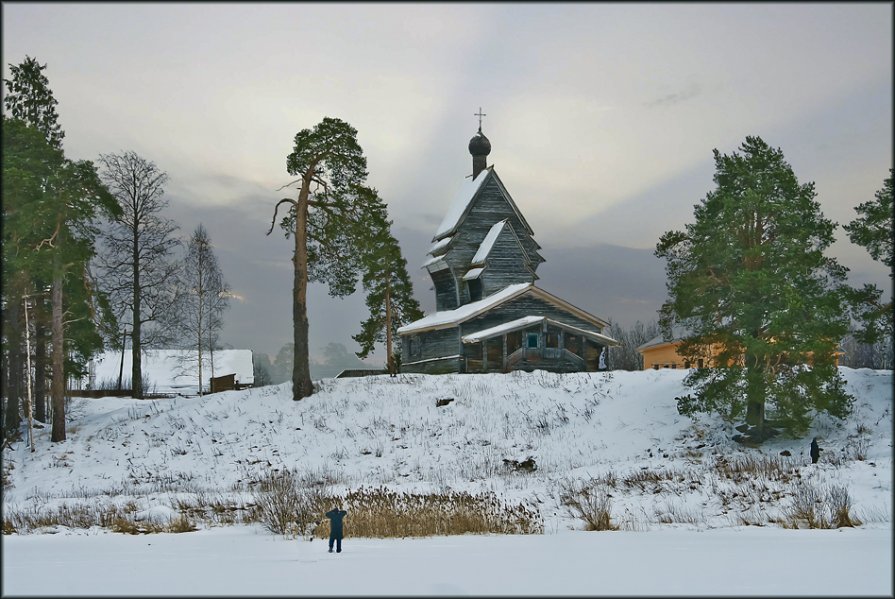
335	516
815	451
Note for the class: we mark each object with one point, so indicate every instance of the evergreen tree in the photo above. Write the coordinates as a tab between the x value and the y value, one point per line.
389	290
873	230
29	162
749	278
29	99
328	222
69	198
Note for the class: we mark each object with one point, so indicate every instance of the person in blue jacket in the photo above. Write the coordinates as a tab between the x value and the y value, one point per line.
335	516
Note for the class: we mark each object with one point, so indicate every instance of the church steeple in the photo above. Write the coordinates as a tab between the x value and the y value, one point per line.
479	147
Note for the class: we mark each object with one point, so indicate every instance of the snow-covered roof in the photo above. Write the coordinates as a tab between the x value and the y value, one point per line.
677	333
450	318
432	261
488	243
438	245
458	206
526	321
507	327
473	273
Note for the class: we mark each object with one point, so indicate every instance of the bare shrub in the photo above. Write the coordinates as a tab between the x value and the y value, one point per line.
589	502
820	507
286	503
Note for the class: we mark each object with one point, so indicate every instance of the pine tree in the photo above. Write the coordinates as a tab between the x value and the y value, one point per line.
73	197
389	291
749	278
327	222
872	230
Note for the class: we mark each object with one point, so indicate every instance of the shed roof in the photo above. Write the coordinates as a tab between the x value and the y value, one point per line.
452	318
488	243
527	321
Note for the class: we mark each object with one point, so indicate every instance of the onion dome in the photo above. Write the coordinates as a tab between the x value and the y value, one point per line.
479	145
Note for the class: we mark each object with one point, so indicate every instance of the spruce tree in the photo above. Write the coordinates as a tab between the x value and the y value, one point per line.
389	291
749	279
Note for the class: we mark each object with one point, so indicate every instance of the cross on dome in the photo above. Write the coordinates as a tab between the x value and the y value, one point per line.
480	114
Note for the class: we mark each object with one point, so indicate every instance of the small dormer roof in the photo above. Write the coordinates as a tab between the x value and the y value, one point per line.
488	243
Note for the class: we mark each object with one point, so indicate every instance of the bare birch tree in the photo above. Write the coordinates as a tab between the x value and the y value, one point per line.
202	297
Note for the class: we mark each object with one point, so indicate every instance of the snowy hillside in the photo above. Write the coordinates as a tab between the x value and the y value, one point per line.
620	430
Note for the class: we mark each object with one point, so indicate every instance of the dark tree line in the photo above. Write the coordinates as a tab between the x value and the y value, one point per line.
87	259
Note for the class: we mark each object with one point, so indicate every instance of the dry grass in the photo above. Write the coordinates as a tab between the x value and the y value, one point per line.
820	507
589	502
381	512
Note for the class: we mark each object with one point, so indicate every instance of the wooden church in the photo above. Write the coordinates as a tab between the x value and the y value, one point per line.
490	316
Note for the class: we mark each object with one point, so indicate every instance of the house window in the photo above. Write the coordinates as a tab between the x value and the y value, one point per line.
475	290
655	367
531	340
674	366
687	364
699	363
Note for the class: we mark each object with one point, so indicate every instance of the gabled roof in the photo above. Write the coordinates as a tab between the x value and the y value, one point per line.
460	205
678	333
452	318
463	202
527	321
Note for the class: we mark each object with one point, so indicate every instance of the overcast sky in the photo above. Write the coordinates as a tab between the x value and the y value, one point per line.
602	120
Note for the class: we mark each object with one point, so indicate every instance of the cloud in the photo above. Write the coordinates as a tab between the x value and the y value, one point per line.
690	91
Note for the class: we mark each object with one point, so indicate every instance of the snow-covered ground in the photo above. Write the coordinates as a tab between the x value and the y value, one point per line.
171	371
685	527
246	561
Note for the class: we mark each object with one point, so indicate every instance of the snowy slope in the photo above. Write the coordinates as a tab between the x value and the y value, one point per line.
388	431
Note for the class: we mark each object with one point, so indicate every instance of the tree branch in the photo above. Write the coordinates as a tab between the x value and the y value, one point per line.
276	208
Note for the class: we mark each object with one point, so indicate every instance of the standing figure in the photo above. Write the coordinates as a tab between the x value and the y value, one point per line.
335	516
815	451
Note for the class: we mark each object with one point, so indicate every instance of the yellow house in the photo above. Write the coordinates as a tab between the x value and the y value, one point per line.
658	353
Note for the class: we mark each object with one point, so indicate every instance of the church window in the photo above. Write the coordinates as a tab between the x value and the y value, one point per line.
531	340
475	290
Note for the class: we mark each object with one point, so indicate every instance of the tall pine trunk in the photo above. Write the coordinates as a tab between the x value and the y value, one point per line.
389	359
40	363
15	365
301	371
57	387
136	341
